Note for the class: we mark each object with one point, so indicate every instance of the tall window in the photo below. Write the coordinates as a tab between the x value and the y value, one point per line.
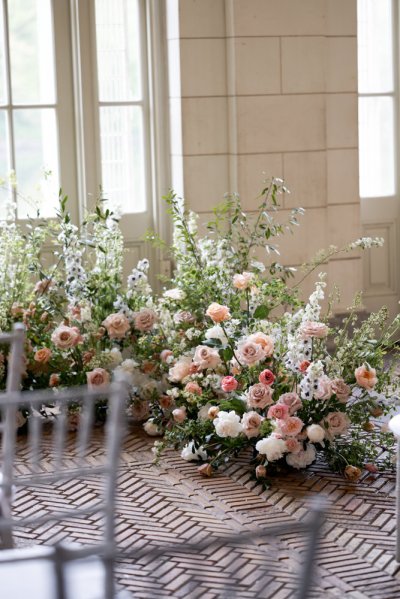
376	98
44	102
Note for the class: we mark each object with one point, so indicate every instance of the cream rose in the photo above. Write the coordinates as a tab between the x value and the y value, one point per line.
315	433
117	326
336	423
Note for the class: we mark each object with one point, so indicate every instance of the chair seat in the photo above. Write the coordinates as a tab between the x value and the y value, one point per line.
35	579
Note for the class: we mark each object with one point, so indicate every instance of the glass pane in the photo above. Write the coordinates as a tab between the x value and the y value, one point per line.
122	157
36	161
31	50
376	131
3	89
118	50
375	46
4	165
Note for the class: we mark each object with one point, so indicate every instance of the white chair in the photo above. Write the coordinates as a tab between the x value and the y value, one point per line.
51	455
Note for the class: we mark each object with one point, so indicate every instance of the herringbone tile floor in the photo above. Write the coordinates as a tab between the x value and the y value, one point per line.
171	503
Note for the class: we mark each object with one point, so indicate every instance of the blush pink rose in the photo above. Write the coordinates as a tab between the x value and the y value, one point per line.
117	326
341	390
324	390
313	329
194	388
251	422
206	357
65	337
42	355
97	378
259	396
293	445
279	411
266	342
144	320
292	401
242	281
304	365
250	353
335	423
366	376
229	383
180	370
179	414
291	426
165	354
218	313
266	377
54	380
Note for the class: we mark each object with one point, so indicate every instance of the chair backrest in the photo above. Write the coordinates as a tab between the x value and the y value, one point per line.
50	456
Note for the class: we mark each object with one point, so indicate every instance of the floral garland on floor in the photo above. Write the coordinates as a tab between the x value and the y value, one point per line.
229	359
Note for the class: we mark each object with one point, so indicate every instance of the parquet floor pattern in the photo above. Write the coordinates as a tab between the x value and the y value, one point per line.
172	504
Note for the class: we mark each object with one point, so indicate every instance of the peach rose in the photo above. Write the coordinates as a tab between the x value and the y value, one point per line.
206	357
251	422
313	329
180	370
250	353
291	426
259	396
54	380
194	388
229	383
117	326
217	312
242	281
97	378
279	411
205	470
266	342
144	320
65	337
292	401
266	377
366	376
341	390
42	355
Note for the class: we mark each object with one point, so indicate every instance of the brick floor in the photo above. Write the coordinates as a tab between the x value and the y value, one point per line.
171	503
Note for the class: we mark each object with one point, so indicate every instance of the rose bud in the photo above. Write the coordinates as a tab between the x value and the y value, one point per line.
205	470
352	473
261	471
371	468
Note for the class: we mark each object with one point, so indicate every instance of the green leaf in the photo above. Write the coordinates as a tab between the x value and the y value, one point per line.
233	404
261	312
226	354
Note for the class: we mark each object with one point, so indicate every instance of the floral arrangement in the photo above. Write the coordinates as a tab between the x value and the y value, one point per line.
227	359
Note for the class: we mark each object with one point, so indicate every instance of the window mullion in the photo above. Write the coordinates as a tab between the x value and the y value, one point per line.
10	123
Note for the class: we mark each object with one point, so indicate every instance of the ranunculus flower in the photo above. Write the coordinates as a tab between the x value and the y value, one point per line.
292	401
259	396
315	433
291	426
65	337
206	357
242	281
313	329
337	423
279	411
227	424
98	377
144	320
352	473
266	342
249	352
229	383
272	447
341	390
42	355
251	422
179	414
193	387
180	370
366	376
303	458
266	377
324	390
218	313
117	326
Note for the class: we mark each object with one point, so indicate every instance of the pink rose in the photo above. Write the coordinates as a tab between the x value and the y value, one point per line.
218	313
42	355
251	422
259	396
194	388
336	423
266	342
250	353
66	337
97	378
117	326
179	414
292	401
293	445
54	380
180	370
313	329
291	426
144	320
165	354
183	316
242	281
229	383
341	390
206	357
279	411
266	377
366	376
324	390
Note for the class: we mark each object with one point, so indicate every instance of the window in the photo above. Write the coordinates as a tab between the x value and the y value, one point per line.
75	90
377	111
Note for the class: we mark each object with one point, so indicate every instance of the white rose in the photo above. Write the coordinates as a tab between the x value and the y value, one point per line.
227	424
175	294
151	428
216	333
190	454
272	447
116	356
303	458
315	433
